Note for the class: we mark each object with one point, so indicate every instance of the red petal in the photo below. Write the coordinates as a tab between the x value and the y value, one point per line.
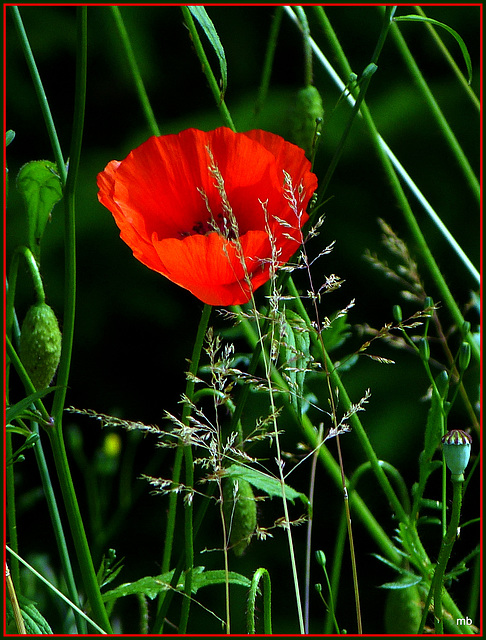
210	267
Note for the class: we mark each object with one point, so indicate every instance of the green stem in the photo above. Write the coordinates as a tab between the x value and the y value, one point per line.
445	553
268	61
41	95
391	166
189	468
70	217
213	83
267	602
358	428
135	71
58	530
460	76
327	460
308	76
437	112
55	432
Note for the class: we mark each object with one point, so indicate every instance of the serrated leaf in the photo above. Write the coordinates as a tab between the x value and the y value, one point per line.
208	578
207	26
459	40
39	184
263	482
151	586
35	623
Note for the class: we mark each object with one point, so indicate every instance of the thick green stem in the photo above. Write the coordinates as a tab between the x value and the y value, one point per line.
445	553
267	602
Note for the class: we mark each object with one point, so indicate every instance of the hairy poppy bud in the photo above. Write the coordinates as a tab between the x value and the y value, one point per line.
456	445
240	513
403	610
40	344
306	110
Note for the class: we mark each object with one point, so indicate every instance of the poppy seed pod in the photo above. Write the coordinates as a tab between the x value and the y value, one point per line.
40	344
456	445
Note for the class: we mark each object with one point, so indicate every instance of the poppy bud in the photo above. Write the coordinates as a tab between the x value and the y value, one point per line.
464	356
240	513
424	349
397	312
305	115
403	610
40	344
321	558
456	445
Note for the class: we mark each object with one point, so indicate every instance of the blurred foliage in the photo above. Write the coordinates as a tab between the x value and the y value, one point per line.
135	329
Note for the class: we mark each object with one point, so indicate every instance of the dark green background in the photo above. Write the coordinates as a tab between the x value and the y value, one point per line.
135	329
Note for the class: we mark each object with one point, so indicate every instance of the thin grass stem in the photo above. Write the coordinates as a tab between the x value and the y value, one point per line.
135	71
455	68
41	95
433	105
341	58
269	58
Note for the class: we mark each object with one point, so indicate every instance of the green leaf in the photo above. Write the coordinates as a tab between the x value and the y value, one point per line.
404	583
336	334
207	26
35	623
459	40
151	586
17	409
9	136
297	357
218	577
263	482
39	184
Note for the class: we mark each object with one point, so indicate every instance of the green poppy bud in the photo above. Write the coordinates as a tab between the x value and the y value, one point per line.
321	558
464	356
40	344
424	349
305	115
456	445
442	383
403	610
240	513
397	313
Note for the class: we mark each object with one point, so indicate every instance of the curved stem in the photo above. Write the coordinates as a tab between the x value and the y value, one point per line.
442	123
267	602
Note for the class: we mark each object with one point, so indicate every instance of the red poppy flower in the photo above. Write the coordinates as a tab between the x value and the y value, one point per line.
211	211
